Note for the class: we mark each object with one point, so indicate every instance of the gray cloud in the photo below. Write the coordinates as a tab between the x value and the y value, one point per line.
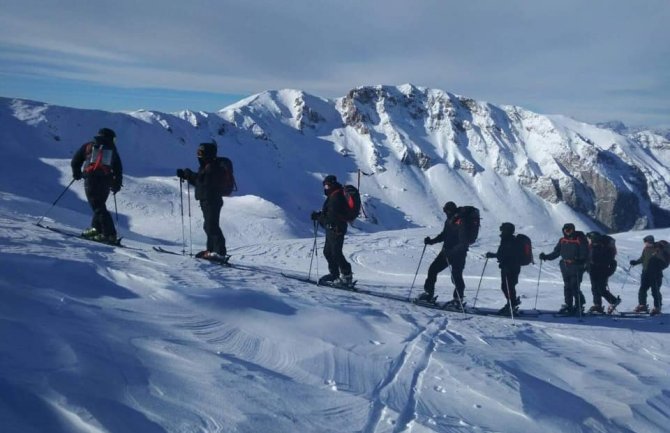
593	60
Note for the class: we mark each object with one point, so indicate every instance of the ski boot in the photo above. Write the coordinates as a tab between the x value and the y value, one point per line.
327	279
216	257
566	310
454	304
642	308
613	305
505	311
89	233
201	254
345	281
597	309
426	297
655	311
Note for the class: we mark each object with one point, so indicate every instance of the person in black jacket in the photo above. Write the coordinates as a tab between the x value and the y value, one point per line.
509	262
102	173
574	251
601	265
208	192
331	218
651	277
453	253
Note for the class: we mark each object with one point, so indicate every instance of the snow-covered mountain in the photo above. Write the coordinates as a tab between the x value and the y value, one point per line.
95	338
419	148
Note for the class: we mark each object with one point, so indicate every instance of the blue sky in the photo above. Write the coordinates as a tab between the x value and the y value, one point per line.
593	60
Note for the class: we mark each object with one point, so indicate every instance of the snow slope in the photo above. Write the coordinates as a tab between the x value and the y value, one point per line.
101	339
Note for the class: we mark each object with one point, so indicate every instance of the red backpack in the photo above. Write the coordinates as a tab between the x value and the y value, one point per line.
98	158
353	199
525	249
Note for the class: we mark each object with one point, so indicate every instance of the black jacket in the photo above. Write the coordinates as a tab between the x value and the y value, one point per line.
206	181
455	238
508	254
334	207
83	156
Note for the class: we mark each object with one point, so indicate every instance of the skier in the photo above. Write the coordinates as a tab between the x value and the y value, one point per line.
509	262
102	173
652	276
208	192
331	218
453	253
573	249
601	265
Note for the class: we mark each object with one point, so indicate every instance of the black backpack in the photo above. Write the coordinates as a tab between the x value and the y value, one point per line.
663	252
610	245
225	178
525	249
353	199
469	217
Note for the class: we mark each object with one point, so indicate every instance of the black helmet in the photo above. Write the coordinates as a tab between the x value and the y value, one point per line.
331	179
649	238
507	228
107	133
449	207
207	150
568	226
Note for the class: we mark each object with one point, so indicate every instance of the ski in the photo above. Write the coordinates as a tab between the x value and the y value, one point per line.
322	284
482	311
222	262
164	251
79	236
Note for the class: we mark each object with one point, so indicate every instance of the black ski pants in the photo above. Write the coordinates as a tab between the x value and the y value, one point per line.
509	278
572	277
440	264
211	212
332	251
599	288
650	279
97	189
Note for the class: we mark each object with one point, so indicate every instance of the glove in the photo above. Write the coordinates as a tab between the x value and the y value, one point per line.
543	256
315	216
633	262
490	255
428	241
180	173
77	175
116	187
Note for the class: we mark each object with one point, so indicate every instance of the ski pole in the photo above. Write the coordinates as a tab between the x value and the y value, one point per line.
56	201
181	207
509	300
537	290
190	232
625	279
116	211
458	295
313	253
409	295
474	305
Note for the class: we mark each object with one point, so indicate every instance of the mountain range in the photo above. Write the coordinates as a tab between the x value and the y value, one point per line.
408	148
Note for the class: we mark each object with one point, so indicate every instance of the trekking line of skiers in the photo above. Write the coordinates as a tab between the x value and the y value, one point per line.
99	164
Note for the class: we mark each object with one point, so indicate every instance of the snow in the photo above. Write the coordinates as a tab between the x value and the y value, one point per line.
101	339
